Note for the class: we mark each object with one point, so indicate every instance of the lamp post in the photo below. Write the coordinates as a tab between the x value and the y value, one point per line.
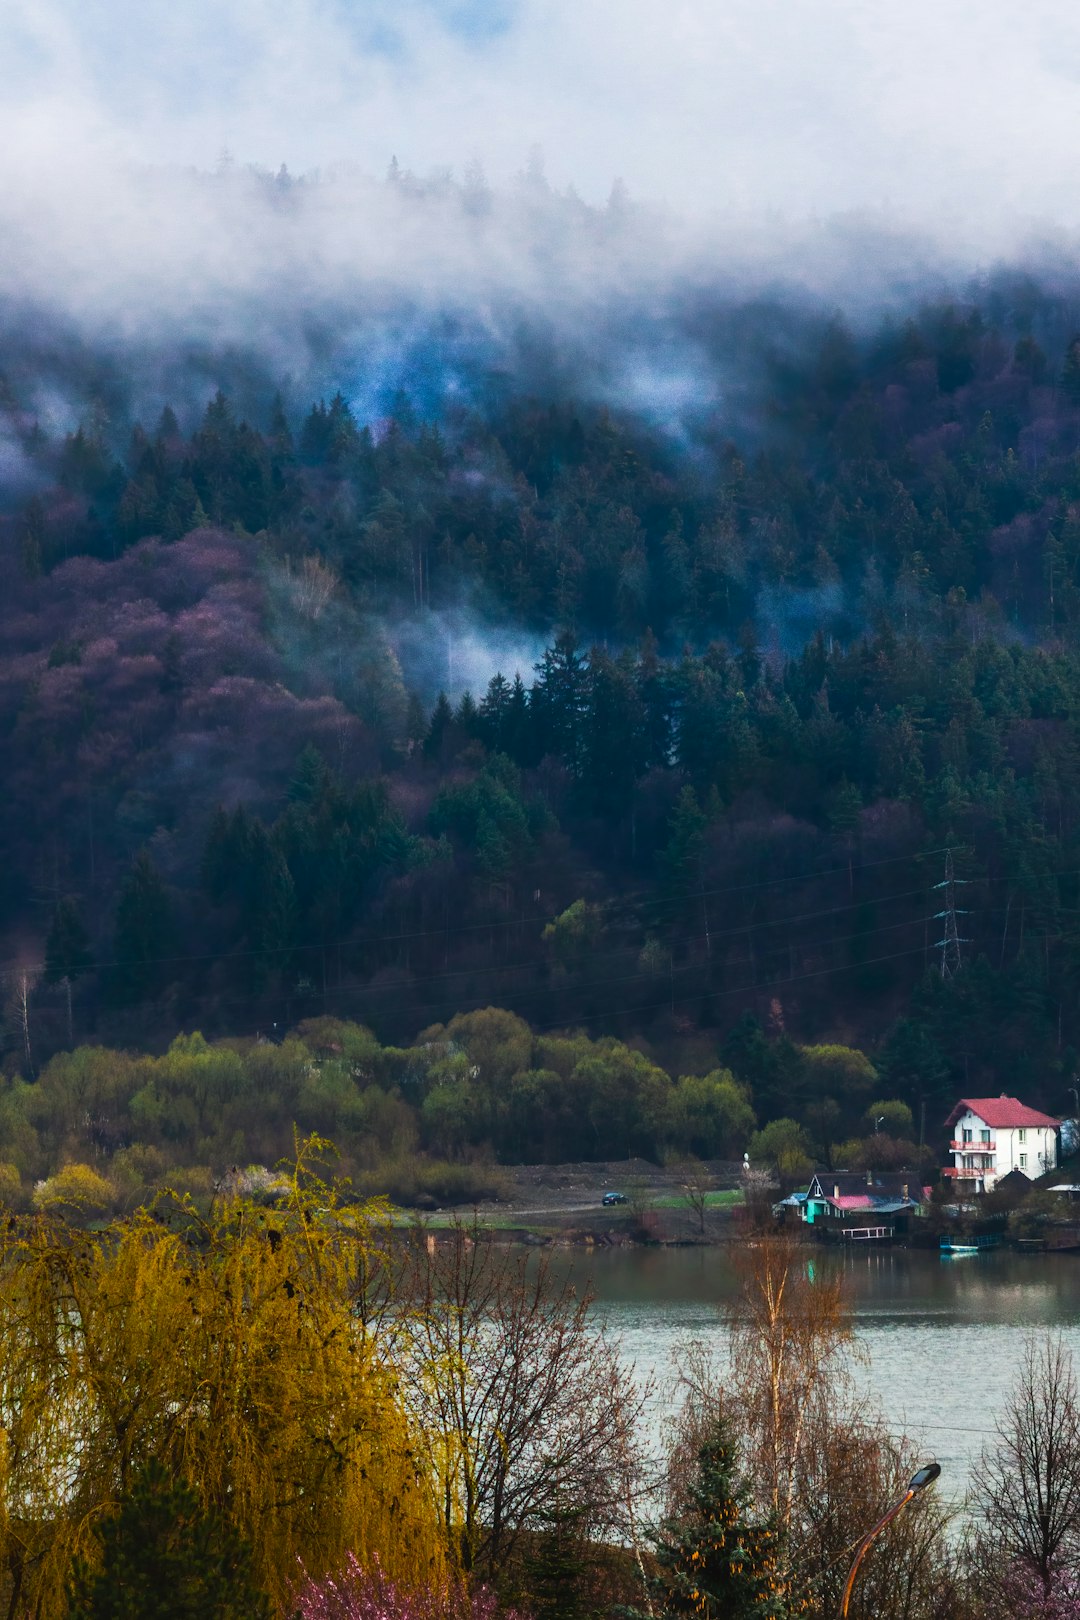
925	1476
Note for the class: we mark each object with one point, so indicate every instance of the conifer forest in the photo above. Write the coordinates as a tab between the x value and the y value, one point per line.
677	746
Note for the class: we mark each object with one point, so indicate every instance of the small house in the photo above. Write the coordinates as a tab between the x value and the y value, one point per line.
993	1136
856	1203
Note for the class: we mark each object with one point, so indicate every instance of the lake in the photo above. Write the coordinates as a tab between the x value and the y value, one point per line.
942	1338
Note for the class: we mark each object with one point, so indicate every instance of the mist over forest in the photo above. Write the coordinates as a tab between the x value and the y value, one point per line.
423	595
540	712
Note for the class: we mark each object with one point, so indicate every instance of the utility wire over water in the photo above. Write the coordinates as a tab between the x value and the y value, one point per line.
939	1343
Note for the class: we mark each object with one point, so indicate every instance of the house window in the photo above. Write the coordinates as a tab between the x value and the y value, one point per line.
1021	1136
966	1136
984	1136
1023	1161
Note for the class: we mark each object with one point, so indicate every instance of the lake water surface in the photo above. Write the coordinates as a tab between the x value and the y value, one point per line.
942	1338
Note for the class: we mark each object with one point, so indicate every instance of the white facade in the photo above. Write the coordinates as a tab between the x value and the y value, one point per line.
983	1153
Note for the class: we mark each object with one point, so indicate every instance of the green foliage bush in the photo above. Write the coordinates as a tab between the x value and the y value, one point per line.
163	1557
426	1123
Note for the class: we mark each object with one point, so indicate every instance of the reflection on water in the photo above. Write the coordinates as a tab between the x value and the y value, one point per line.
941	1338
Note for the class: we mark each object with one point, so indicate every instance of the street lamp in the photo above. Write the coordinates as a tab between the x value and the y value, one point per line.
925	1476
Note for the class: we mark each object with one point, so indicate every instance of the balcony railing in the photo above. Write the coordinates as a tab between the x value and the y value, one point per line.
964	1175
973	1147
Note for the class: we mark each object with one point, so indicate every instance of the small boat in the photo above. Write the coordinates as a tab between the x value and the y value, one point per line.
973	1245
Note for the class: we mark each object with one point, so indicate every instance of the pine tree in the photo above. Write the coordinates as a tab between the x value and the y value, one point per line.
144	933
493	712
518	725
168	428
280	436
32	538
67	953
467	716
712	1562
441	732
686	844
164	1558
558	701
1070	372
67	949
557	1568
311	777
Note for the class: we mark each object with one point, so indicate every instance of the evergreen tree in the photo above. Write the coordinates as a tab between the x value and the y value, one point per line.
144	933
912	1064
685	850
168	427
441	733
557	1568
770	1068
280	436
1070	374
712	1561
67	949
468	717
492	717
559	699
32	538
342	437
614	734
518	726
164	1558
311	778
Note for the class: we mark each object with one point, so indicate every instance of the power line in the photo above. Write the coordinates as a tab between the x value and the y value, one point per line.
354	943
361	942
416	986
353	996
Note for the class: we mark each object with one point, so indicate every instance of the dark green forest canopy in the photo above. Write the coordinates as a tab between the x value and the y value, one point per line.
786	672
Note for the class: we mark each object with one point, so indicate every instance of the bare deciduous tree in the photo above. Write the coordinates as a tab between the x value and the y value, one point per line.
1027	1488
23	988
819	1459
696	1182
527	1403
313	586
640	1199
787	1339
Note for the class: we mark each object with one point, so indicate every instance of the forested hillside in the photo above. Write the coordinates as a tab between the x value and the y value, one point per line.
797	652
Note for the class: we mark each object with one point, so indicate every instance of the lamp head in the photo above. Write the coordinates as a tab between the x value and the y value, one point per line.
925	1476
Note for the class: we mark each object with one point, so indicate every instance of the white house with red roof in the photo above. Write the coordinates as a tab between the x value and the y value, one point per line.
992	1136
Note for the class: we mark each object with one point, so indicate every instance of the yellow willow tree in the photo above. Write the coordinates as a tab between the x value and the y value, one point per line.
230	1349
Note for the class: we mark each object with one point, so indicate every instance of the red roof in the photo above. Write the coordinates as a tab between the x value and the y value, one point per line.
1002	1113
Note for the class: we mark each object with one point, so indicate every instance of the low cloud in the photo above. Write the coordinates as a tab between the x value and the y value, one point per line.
800	150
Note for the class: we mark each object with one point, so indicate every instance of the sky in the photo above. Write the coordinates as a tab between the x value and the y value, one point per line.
937	112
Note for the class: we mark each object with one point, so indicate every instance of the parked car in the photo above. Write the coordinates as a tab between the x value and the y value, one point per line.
615	1198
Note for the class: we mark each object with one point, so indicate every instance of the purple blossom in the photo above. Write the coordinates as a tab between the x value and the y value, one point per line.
356	1593
1020	1595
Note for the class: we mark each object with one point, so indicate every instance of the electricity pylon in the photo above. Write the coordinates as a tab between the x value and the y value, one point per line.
951	938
